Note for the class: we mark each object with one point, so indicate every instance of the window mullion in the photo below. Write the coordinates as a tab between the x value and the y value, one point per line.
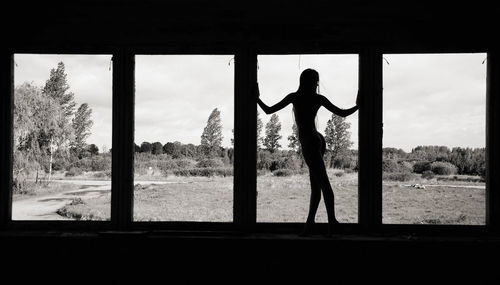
370	140
492	142
245	140
123	139
6	143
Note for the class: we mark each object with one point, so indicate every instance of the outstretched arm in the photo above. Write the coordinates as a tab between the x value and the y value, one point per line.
276	107
336	110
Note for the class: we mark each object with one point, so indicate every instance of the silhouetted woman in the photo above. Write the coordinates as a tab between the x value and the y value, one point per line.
306	103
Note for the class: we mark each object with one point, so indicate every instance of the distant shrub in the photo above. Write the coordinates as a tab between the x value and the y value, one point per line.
99	163
390	165
166	165
184	163
262	172
99	175
428	174
443	168
405	166
59	164
397	176
209	163
421	166
339	174
264	160
283	172
205	172
21	184
73	171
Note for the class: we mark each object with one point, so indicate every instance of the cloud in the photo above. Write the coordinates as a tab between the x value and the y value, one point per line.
428	99
279	75
434	99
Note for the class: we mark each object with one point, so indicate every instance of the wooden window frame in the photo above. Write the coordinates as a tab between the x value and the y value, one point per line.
244	202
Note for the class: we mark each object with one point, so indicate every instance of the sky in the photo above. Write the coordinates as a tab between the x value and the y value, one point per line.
428	99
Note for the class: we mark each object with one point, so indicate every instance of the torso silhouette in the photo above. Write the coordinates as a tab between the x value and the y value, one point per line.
305	108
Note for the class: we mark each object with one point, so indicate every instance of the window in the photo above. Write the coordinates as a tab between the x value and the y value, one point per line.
237	209
283	183
434	166
183	168
62	137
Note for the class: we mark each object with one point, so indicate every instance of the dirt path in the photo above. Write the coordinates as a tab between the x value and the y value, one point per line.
44	207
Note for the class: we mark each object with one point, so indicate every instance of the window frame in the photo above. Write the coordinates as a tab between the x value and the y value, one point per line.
244	202
492	201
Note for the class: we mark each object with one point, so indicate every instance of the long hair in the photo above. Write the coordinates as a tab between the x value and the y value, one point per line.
309	79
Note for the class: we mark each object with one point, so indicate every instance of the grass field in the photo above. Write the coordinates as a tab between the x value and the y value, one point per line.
286	199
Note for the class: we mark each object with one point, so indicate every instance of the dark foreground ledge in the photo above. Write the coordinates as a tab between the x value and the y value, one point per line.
246	257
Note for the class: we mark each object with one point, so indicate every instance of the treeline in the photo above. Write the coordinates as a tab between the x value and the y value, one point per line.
175	158
211	158
433	160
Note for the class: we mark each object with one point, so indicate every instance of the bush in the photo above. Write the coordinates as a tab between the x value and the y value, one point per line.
59	164
443	168
99	175
421	166
73	171
427	174
390	165
210	163
21	184
184	163
264	160
397	176
283	172
166	165
339	174
205	172
405	166
99	163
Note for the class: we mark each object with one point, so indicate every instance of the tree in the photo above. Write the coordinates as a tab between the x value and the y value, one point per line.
173	149
93	149
36	118
211	138
81	127
157	148
293	139
260	140
273	128
146	147
337	135
57	88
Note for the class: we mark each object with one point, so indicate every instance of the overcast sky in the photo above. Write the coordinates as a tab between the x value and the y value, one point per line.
428	99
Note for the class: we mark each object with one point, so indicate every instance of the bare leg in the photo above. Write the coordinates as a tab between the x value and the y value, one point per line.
318	171
313	206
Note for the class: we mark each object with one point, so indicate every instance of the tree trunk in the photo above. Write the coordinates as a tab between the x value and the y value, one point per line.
50	160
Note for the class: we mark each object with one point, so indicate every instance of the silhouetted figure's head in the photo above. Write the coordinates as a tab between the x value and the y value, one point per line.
309	80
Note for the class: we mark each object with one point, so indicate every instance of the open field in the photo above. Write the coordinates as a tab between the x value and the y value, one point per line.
279	199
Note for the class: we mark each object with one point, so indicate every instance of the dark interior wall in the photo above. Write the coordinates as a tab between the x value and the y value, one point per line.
270	26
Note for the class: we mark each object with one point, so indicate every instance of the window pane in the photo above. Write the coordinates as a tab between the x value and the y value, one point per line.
434	139
62	135
283	182
184	138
